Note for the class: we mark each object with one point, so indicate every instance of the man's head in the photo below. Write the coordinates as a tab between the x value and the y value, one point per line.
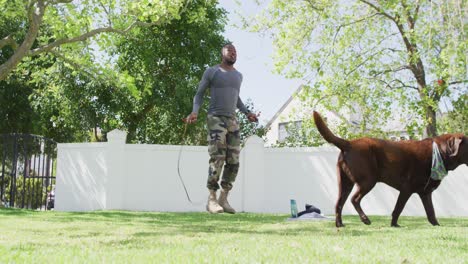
229	54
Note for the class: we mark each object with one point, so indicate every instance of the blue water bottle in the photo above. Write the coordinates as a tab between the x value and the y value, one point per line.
293	208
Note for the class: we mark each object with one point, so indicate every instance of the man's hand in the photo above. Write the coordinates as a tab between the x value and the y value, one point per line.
192	118
253	117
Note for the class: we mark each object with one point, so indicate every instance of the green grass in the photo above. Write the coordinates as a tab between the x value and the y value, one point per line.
144	237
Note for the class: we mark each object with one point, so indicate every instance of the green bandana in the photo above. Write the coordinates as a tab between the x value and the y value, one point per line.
438	171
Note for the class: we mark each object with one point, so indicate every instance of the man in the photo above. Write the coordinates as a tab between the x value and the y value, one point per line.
223	128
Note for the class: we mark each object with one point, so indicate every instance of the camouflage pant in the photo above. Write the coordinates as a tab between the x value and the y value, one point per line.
224	148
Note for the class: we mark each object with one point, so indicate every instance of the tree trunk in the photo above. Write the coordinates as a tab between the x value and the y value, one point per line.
135	119
431	127
131	133
431	119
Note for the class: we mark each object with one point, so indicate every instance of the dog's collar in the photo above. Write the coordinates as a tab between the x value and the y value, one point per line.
438	171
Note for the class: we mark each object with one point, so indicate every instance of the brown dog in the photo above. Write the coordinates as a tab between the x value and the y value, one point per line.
404	165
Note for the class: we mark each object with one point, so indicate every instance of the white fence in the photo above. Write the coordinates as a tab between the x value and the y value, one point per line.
115	175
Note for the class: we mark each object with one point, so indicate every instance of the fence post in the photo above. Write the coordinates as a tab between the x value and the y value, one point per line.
115	169
253	191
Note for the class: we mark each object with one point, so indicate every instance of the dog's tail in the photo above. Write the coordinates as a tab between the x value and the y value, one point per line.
328	135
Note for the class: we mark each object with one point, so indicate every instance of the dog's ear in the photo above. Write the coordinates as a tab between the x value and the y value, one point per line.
453	145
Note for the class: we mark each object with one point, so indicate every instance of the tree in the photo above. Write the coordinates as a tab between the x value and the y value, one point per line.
456	121
15	109
373	57
165	64
74	104
51	24
47	96
66	105
248	128
147	92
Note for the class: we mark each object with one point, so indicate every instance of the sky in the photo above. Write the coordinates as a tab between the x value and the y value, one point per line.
268	91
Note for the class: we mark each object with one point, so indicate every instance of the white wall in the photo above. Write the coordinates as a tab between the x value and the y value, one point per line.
114	175
81	177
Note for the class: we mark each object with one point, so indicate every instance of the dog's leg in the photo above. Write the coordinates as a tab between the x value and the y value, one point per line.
345	185
429	207
362	190
402	199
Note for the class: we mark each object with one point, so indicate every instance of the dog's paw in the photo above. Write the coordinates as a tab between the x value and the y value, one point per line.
366	220
338	225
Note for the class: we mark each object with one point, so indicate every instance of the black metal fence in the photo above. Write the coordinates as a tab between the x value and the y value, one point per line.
27	172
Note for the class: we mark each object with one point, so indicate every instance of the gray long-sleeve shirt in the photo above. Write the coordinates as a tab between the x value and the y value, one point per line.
224	92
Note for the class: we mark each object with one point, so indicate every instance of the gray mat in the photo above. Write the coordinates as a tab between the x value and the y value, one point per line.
311	217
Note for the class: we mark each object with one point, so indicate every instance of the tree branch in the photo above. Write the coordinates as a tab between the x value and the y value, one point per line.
36	10
36	14
401	68
416	11
8	41
360	64
349	24
90	34
457	82
372	55
336	35
417	67
389	84
54	2
409	47
314	7
404	85
378	9
107	13
408	15
86	70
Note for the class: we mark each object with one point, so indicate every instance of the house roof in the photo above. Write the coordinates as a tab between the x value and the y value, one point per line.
278	113
397	124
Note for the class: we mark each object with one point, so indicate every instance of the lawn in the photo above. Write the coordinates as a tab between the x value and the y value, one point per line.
147	237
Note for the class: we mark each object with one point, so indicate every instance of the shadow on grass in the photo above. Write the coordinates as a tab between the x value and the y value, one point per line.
154	224
16	212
